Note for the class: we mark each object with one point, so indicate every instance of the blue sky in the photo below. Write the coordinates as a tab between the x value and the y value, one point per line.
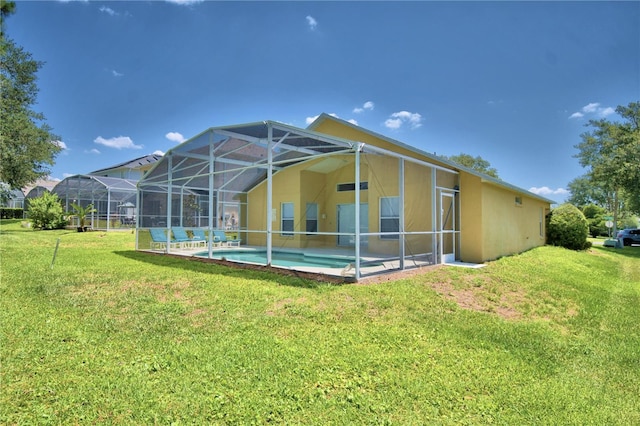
512	82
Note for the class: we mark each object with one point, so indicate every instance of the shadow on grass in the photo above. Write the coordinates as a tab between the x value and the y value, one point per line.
233	269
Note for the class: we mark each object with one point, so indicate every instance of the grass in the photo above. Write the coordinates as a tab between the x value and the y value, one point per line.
109	335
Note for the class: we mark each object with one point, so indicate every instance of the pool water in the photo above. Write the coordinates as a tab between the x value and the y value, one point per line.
280	258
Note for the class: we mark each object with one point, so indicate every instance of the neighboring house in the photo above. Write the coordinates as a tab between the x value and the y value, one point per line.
111	190
16	200
133	169
36	190
338	188
113	199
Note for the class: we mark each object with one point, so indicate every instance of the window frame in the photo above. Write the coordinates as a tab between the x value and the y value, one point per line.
387	218
286	219
309	208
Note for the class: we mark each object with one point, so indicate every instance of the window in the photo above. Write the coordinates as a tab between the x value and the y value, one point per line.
286	227
389	217
342	187
541	223
518	200
312	217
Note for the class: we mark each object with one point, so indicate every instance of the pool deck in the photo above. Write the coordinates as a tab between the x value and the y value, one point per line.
379	265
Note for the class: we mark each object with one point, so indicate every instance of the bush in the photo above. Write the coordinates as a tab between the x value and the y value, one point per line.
11	213
567	227
46	212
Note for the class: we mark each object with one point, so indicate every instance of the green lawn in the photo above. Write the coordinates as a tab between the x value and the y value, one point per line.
109	335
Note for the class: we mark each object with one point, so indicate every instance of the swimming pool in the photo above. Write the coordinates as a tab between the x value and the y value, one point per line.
281	258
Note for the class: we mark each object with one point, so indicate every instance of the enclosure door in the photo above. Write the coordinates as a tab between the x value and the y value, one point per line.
347	223
447	227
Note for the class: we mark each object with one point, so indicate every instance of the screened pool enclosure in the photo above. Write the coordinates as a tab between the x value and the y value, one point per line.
299	199
113	198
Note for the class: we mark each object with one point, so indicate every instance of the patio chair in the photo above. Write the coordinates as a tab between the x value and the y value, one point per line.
199	238
180	236
220	237
159	239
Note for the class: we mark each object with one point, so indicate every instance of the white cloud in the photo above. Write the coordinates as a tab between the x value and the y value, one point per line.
175	137
311	21
108	11
606	111
92	151
545	190
352	121
593	108
60	144
310	120
393	123
366	106
116	73
397	119
158	152
66	175
121	142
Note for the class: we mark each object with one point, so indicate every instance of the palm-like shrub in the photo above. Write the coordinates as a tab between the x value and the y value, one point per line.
567	227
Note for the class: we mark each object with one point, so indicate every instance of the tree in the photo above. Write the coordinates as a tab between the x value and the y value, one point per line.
611	153
595	216
6	9
585	192
474	163
27	146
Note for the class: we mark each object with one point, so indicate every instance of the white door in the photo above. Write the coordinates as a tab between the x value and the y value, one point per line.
347	223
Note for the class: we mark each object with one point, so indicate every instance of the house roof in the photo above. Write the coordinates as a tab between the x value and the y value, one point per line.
431	157
136	163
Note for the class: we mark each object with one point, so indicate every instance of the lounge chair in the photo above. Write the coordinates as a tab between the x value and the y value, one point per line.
180	236
221	238
199	237
159	239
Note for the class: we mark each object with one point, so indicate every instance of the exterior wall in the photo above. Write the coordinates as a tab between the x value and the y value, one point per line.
491	224
471	222
300	185
509	227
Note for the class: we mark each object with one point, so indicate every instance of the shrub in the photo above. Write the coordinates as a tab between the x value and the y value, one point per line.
10	213
46	212
567	227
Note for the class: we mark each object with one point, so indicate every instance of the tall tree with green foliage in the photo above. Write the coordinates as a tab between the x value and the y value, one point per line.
27	145
478	164
611	153
6	8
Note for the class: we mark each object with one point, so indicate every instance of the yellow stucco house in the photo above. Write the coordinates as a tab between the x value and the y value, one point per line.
333	198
